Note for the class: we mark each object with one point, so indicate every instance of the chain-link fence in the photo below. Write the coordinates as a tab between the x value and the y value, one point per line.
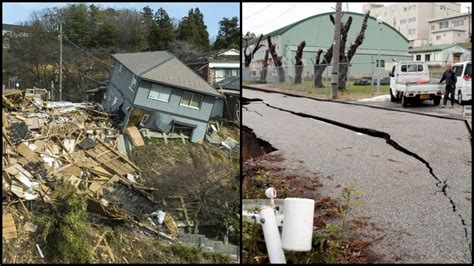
357	78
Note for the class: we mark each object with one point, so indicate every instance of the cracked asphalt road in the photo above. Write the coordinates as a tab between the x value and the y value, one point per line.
400	194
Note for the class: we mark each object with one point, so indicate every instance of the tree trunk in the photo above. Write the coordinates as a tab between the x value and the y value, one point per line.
248	57
299	63
276	61
263	72
344	68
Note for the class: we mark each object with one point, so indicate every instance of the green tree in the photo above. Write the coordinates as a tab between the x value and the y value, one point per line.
229	34
64	227
192	29
108	35
76	24
162	31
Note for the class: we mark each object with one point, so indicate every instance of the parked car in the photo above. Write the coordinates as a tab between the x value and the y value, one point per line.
463	72
409	82
363	81
368	81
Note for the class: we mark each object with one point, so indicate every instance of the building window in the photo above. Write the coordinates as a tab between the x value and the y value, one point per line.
403	21
411	31
160	93
427	57
133	83
144	118
413	19
191	100
418	57
438	37
443	24
382	63
459	22
405	9
412	7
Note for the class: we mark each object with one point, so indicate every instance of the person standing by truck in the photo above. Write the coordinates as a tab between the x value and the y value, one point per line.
450	88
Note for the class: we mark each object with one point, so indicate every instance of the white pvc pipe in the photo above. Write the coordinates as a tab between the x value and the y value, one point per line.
298	218
272	235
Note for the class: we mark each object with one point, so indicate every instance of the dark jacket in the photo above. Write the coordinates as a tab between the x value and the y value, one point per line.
450	78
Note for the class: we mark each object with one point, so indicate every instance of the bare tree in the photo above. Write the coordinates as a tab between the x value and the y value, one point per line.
248	57
276	60
299	63
343	59
263	73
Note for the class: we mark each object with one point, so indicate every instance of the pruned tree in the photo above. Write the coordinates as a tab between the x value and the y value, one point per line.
346	59
343	58
299	62
263	73
276	60
248	57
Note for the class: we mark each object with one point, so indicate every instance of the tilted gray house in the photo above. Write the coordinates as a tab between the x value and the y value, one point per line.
157	91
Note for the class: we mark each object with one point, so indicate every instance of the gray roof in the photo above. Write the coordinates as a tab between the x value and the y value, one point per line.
164	67
232	83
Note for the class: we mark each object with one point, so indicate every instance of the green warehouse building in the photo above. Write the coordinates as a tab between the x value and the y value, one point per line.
318	32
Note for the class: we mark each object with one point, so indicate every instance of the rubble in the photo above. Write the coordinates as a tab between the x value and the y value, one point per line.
46	143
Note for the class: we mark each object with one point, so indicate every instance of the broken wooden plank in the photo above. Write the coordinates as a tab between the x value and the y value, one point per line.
8	226
135	136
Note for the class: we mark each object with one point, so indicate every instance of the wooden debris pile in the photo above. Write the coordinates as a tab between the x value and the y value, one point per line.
46	143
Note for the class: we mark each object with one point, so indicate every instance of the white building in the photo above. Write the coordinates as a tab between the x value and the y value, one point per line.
441	54
450	30
410	19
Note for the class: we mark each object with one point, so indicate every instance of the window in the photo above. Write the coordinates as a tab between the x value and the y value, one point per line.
405	9
443	24
382	63
432	27
413	19
438	37
427	57
403	21
411	31
457	70
144	118
191	100
412	7
160	93
418	57
133	83
468	71
459	22
412	68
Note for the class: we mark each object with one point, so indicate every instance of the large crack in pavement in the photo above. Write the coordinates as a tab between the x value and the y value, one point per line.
378	134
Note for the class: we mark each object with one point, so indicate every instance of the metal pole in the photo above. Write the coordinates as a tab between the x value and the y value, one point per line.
335	53
372	75
61	61
379	63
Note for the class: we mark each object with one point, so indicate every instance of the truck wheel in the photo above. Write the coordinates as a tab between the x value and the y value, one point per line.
404	101
460	98
392	98
436	100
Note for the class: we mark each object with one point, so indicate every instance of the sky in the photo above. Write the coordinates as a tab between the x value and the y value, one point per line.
14	13
266	17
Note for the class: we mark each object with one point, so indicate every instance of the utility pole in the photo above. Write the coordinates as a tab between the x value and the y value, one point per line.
61	61
335	53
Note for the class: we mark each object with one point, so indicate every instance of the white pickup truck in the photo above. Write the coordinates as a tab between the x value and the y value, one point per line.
463	71
409	82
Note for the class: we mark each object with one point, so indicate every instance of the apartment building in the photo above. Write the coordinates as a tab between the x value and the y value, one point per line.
410	19
450	30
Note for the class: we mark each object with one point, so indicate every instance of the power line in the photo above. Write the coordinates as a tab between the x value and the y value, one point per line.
266	23
82	74
77	46
258	11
